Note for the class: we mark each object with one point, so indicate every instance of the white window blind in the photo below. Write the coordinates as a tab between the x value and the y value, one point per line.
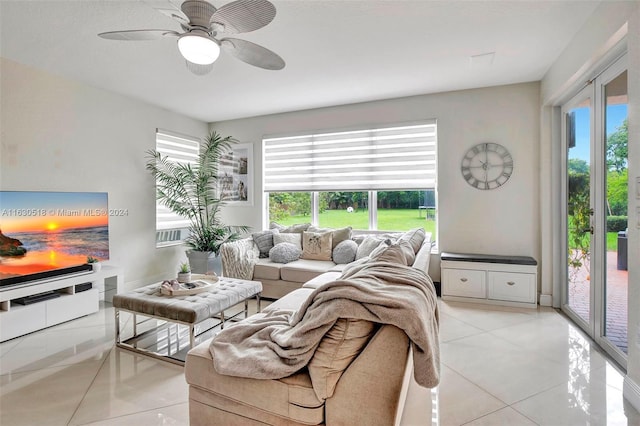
392	158
181	149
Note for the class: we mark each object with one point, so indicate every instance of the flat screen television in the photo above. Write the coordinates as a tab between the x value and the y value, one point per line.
45	234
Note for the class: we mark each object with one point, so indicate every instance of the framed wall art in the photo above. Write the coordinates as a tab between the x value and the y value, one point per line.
235	175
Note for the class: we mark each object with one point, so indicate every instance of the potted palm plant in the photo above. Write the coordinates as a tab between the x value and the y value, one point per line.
191	190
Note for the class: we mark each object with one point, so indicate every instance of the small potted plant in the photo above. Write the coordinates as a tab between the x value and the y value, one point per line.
184	273
94	262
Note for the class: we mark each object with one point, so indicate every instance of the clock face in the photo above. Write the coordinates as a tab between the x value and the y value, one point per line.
487	166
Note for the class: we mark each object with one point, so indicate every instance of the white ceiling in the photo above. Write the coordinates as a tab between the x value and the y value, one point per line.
337	52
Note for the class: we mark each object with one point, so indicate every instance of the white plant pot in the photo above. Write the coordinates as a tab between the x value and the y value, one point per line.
202	262
96	266
184	277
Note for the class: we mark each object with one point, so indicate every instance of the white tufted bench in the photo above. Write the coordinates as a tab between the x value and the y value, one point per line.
190	311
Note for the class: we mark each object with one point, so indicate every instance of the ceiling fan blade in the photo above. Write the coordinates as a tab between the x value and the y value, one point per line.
198	69
175	15
242	16
252	53
135	35
171	10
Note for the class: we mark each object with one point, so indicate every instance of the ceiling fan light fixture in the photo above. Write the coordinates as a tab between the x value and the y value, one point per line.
198	47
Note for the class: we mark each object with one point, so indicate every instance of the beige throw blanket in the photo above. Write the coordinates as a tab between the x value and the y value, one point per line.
280	343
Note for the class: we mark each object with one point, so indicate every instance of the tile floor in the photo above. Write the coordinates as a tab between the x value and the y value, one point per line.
500	366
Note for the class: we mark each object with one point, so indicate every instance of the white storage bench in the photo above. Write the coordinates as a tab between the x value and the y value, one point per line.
491	279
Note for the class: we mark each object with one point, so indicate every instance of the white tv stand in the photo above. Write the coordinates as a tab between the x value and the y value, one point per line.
17	320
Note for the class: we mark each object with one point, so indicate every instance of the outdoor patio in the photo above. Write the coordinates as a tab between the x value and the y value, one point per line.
616	300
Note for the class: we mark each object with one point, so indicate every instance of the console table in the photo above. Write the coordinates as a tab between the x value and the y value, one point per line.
77	295
491	279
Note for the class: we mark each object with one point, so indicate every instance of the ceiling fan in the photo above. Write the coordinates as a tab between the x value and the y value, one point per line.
202	23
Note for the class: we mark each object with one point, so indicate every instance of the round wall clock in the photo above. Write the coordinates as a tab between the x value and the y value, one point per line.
487	166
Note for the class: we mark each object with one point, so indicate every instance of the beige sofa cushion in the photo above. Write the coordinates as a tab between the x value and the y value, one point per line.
303	270
337	349
316	245
265	269
327	277
290	302
415	237
340	268
291	397
275	289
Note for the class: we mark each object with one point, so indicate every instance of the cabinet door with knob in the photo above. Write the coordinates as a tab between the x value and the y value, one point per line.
511	286
464	283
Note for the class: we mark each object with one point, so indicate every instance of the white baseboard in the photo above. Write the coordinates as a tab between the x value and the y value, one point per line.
545	300
631	392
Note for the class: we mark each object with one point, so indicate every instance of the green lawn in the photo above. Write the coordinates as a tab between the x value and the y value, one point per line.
612	238
612	241
388	220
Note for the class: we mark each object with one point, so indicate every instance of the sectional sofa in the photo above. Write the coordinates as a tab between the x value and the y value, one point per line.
358	375
241	259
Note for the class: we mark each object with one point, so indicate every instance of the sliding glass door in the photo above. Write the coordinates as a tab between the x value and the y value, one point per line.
579	119
614	202
595	209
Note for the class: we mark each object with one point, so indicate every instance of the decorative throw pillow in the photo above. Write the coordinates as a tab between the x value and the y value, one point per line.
264	241
415	237
393	236
274	225
345	252
284	253
394	254
300	228
367	246
407	250
337	235
293	238
316	246
381	247
337	349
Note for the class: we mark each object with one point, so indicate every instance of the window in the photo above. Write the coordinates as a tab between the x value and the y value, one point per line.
340	209
404	210
381	178
171	228
290	208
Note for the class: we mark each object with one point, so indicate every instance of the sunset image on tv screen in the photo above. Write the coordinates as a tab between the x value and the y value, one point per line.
41	231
